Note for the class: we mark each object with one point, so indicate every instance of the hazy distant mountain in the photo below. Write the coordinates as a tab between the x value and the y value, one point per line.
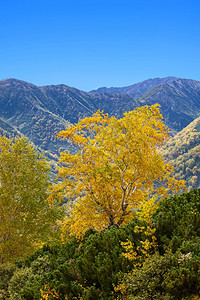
183	152
135	90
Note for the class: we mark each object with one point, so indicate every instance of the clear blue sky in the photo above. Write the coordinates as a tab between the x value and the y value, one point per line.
92	43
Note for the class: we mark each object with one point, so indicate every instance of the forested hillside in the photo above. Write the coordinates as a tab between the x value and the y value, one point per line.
183	152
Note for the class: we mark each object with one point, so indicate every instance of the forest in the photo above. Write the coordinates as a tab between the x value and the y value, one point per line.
115	224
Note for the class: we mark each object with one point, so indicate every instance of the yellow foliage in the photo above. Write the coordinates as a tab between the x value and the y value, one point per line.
147	208
114	169
26	218
142	252
47	293
122	288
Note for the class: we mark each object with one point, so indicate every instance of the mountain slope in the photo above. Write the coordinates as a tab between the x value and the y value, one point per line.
75	104
24	107
179	100
72	103
7	130
183	152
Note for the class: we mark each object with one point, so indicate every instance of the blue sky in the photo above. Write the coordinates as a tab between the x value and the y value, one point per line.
92	43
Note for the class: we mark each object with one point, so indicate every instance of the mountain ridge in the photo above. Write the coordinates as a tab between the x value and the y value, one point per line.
137	89
40	112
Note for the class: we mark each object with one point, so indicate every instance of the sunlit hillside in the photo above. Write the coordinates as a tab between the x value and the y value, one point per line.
183	152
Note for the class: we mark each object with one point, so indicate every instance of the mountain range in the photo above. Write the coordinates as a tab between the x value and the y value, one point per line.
40	112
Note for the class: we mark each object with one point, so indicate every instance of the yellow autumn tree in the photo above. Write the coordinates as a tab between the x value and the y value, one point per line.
26	217
114	169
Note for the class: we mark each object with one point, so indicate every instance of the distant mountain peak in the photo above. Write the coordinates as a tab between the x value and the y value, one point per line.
16	83
137	89
13	81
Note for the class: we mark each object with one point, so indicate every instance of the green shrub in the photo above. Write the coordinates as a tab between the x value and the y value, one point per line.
177	219
6	273
146	282
88	268
18	283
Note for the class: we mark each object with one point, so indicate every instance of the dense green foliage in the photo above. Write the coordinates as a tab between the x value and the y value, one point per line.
173	272
177	222
88	268
94	267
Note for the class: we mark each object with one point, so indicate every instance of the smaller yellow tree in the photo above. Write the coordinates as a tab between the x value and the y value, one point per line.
115	168
26	217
